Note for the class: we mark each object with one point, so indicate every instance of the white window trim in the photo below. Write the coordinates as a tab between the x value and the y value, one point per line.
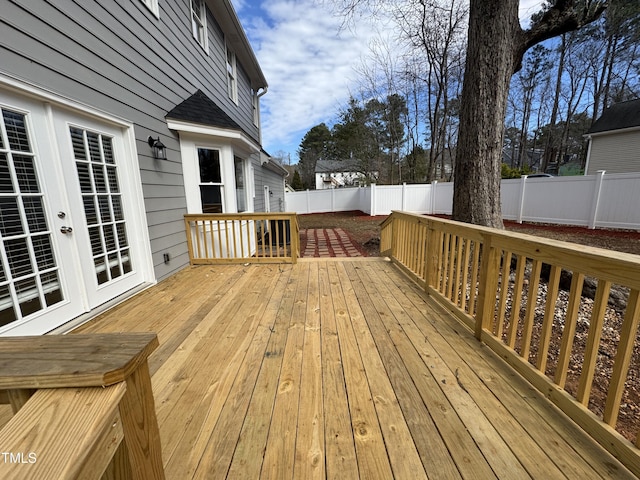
189	145
200	22
232	74
152	5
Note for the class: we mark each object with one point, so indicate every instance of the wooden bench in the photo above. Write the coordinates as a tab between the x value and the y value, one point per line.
83	407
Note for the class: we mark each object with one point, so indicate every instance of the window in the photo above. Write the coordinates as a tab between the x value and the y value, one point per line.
232	80
199	22
241	191
153	6
211	187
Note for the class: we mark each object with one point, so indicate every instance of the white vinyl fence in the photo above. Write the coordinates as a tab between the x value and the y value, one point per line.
606	201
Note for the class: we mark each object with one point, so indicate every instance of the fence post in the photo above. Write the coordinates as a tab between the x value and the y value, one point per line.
434	185
523	186
373	199
595	202
333	200
308	202
404	196
489	270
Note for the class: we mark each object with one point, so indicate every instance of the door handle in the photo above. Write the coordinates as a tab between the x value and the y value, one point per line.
66	230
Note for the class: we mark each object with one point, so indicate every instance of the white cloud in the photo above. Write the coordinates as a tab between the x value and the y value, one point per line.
309	62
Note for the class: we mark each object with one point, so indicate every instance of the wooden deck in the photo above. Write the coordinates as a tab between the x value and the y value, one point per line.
338	369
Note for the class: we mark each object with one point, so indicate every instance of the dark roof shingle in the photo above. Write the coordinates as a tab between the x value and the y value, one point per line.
618	116
199	108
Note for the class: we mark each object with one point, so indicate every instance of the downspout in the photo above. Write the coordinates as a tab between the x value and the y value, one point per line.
264	90
586	163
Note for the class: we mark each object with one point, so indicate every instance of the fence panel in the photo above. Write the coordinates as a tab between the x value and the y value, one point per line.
608	201
562	200
619	201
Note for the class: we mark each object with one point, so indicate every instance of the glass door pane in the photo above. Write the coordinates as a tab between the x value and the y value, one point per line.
29	272
102	204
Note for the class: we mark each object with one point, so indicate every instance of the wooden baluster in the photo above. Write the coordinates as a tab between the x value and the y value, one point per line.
570	321
457	287
549	314
516	301
489	270
532	300
623	358
504	288
475	267
593	341
465	274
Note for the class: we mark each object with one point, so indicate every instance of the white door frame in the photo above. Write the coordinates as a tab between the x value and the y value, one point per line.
58	198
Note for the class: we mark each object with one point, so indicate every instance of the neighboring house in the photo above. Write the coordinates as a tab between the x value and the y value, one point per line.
614	140
90	211
338	174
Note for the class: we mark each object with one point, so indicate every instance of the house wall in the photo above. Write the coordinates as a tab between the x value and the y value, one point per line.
117	57
615	153
275	182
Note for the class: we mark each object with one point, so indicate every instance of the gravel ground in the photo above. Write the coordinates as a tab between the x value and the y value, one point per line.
366	231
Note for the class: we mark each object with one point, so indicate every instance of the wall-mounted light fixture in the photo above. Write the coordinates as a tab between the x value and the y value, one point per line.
159	150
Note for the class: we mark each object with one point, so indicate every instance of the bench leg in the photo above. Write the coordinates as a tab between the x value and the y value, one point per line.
18	398
141	433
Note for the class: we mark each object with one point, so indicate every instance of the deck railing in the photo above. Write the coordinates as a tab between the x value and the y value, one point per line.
242	237
491	280
83	408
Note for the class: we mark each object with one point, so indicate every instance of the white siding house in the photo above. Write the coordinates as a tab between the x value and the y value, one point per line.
614	140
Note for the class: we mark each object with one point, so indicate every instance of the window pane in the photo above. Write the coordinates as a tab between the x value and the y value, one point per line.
43	251
16	131
77	139
90	210
26	173
10	221
51	288
94	147
209	161
28	296
6	185
241	195
18	257
211	196
34	209
7	313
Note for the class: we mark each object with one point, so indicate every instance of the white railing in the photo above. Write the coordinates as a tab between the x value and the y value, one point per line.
608	201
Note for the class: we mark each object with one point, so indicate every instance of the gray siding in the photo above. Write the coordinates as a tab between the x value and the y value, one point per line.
263	177
116	56
615	153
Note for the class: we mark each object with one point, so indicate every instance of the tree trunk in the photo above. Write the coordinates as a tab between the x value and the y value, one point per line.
491	61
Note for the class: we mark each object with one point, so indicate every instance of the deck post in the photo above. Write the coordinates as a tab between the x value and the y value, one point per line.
489	271
431	258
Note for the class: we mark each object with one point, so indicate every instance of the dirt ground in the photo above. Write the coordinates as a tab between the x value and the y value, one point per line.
365	230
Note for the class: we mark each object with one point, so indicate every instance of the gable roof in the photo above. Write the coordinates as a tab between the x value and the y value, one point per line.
335	166
199	108
618	116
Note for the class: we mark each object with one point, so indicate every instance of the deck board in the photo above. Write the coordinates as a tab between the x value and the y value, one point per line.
337	369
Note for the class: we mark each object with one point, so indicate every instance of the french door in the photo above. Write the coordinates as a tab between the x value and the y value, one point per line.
64	232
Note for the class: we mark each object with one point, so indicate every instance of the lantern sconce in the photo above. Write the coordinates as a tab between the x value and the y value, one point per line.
159	150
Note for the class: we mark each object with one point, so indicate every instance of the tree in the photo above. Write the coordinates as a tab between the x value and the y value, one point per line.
296	181
313	147
496	46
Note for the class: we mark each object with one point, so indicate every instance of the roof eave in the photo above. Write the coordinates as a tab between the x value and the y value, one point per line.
235	35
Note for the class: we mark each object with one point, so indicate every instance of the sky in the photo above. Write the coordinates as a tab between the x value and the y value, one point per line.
309	61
